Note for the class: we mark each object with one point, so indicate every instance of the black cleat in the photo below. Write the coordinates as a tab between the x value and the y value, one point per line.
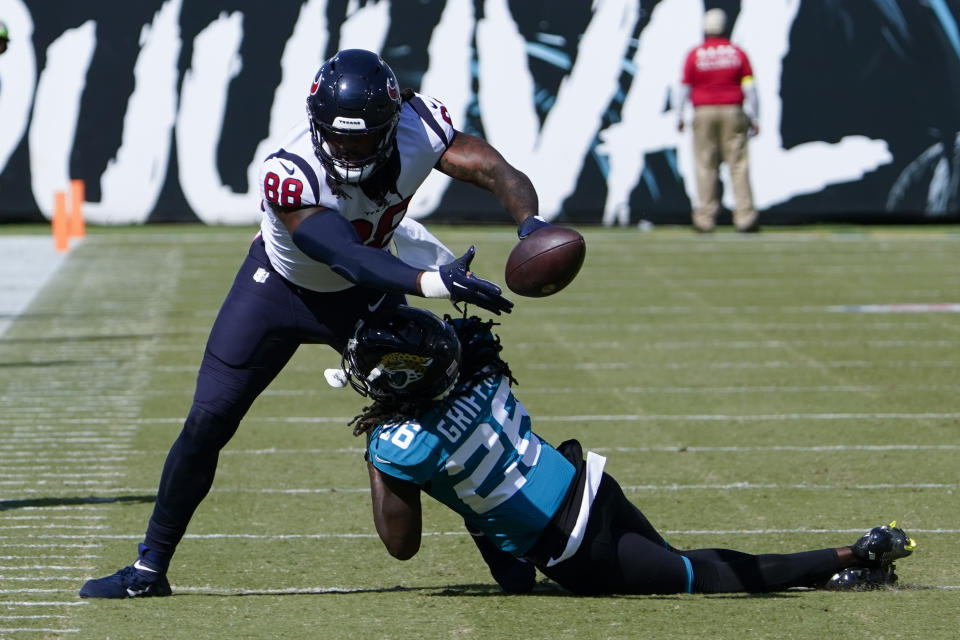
862	579
134	581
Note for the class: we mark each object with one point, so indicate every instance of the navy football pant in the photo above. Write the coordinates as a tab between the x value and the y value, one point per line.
259	327
623	553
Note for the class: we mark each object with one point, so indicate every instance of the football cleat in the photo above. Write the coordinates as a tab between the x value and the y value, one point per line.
134	581
862	579
882	545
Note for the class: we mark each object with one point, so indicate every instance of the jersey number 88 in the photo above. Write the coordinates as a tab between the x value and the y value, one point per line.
285	194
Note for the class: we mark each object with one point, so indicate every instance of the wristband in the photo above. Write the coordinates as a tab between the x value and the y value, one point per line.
431	285
529	225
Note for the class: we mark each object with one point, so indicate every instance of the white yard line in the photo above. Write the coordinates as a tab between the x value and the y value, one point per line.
40	428
834	448
364	491
280	537
626	417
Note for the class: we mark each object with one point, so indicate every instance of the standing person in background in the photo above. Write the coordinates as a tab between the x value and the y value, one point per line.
718	79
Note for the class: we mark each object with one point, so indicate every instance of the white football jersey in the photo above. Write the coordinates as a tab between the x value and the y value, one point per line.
294	177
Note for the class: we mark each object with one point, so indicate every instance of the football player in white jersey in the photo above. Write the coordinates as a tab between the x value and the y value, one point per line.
334	194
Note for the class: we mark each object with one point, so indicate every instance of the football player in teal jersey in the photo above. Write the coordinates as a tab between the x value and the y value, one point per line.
444	421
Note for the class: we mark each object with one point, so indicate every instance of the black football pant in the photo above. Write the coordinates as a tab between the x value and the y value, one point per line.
623	553
259	327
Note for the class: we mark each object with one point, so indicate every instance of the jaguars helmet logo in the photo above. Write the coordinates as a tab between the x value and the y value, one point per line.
404	369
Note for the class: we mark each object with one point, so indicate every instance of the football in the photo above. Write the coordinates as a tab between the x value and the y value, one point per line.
545	261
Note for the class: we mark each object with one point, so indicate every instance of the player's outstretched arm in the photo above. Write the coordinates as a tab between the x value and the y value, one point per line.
328	237
396	513
472	159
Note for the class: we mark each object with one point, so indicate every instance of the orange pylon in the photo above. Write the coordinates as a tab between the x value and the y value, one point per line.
76	227
61	240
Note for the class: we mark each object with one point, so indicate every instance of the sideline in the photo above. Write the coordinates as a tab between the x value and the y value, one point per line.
27	264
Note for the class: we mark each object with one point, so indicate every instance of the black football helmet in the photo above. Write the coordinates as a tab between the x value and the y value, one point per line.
353	107
406	354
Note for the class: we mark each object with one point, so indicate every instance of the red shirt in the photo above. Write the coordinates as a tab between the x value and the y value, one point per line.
714	71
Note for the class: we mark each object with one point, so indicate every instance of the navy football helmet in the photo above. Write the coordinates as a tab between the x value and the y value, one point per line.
353	107
406	354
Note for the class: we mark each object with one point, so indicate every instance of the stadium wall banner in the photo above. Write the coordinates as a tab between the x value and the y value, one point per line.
164	107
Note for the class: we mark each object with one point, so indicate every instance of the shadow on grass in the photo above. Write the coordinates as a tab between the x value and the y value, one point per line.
548	588
320	591
59	502
457	590
543	588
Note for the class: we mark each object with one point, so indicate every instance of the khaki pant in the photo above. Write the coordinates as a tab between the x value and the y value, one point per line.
720	134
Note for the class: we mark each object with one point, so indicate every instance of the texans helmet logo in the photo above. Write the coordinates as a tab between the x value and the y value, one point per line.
392	89
315	85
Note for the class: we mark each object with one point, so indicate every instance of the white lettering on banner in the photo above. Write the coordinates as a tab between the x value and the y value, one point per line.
673	29
776	174
451	55
215	64
553	155
18	77
56	109
298	64
132	181
366	27
203	103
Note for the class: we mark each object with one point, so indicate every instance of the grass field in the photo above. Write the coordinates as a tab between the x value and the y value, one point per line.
740	396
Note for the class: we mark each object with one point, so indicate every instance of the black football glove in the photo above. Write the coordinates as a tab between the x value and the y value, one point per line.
466	287
530	225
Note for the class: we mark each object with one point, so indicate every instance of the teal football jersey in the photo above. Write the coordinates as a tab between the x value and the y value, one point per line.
478	455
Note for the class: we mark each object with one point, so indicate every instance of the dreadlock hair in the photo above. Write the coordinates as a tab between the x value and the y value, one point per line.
479	359
479	352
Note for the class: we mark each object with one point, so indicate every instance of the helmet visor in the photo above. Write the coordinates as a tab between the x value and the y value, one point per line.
354	148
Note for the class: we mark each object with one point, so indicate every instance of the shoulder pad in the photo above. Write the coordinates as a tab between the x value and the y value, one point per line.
404	451
435	115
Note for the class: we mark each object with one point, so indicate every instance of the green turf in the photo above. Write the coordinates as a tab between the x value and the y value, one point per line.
736	401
